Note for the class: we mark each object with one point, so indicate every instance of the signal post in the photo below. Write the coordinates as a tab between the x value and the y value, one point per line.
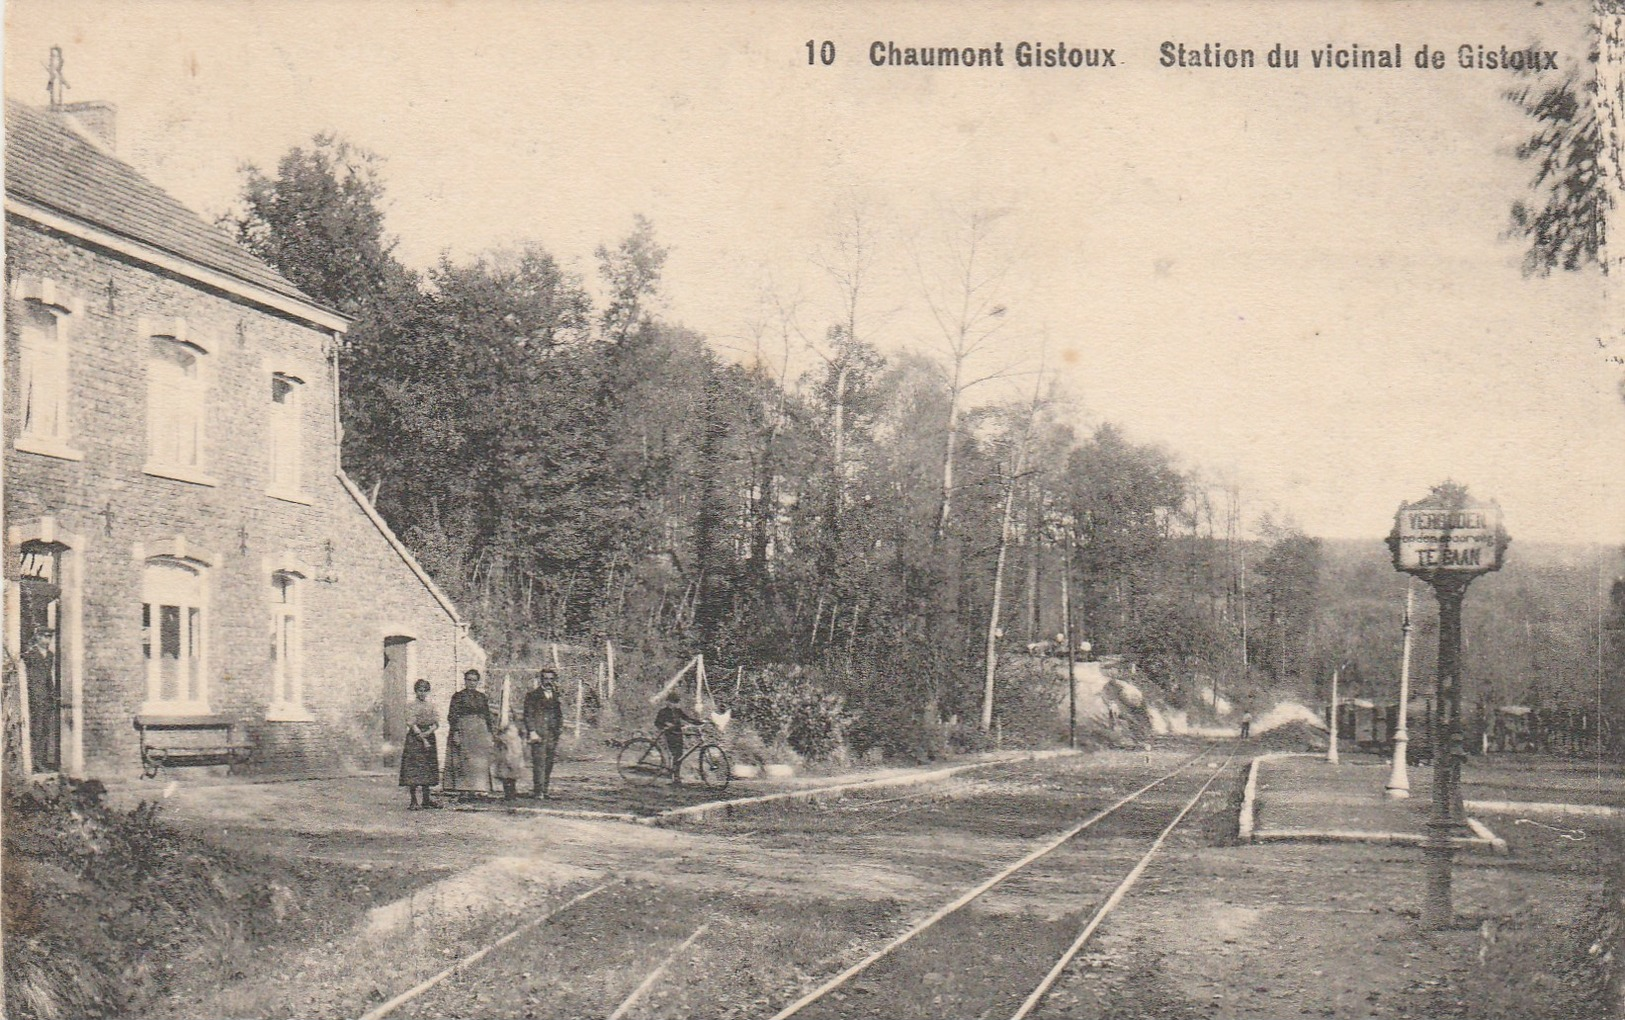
1446	539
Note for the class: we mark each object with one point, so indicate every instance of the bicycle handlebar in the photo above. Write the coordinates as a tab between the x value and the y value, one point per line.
701	728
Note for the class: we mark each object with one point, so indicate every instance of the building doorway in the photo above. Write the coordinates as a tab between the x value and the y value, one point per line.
399	662
39	592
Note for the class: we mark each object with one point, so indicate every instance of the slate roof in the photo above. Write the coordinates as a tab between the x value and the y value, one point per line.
50	164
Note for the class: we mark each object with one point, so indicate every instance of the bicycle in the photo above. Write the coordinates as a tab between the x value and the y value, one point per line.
645	760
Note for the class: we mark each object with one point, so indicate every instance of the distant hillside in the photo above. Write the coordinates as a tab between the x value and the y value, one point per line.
1530	631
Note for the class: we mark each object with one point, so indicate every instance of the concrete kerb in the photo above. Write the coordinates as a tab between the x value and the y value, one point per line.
525	809
1491	842
835	789
1247	823
1483	832
842	789
1518	807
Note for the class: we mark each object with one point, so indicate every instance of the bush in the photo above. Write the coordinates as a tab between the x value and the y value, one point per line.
748	748
1029	702
102	908
1605	936
793	709
84	902
962	738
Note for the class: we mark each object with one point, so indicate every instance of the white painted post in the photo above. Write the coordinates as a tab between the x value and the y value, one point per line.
1399	780
654	699
609	659
1331	745
699	683
579	685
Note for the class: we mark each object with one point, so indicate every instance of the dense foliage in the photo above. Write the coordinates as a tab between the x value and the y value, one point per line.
572	469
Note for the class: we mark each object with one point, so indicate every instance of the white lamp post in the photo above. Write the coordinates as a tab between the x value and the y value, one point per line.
1331	745
1399	780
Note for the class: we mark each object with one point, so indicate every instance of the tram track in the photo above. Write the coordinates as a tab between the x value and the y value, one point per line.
1069	866
953	953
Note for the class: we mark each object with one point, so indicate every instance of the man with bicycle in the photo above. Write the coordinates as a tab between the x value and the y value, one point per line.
669	723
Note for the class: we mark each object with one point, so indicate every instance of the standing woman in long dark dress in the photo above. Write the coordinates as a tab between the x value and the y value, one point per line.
420	754
471	747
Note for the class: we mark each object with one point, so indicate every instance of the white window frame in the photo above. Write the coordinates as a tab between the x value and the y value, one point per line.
287	651
285	437
181	583
183	406
45	357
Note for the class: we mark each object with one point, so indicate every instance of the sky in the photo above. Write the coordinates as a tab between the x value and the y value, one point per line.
1297	281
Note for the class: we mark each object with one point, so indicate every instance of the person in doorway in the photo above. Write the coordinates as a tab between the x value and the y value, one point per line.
1246	725
669	722
471	744
420	753
510	763
544	721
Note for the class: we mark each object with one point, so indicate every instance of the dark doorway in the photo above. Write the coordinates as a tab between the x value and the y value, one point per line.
40	596
397	692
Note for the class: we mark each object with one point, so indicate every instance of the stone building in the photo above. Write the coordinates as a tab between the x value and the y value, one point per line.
182	543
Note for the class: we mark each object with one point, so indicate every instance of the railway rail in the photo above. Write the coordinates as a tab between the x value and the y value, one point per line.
953	935
987	947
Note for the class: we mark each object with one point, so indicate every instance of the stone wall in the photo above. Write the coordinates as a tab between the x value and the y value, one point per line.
356	587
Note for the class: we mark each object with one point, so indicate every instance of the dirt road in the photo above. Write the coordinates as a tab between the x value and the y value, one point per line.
789	895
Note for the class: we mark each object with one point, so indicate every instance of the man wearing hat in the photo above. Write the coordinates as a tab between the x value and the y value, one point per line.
544	721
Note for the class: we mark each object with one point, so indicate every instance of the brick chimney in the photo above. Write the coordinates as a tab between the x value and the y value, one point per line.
98	117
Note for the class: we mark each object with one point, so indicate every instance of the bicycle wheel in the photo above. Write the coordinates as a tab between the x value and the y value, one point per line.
641	761
716	771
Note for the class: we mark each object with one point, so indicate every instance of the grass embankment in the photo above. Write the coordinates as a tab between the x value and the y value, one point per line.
104	910
1533	963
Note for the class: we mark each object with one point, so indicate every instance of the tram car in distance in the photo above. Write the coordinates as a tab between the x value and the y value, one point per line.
1512	729
1485	729
1370	726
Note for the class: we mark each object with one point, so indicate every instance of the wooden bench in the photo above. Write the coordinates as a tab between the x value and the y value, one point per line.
178	741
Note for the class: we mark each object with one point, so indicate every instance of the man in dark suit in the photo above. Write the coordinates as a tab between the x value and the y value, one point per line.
544	721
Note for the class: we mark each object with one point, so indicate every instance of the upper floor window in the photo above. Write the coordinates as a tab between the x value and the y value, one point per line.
175	403
43	313
43	363
286	391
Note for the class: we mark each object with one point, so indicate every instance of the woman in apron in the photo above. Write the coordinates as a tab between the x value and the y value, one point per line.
420	758
471	745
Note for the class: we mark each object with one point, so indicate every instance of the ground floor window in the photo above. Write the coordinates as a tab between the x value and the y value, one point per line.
287	665
173	636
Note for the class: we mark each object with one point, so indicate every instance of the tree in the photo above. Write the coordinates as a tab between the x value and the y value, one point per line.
1022	428
1564	221
1289	587
965	303
1579	176
769	409
1119	496
319	221
632	273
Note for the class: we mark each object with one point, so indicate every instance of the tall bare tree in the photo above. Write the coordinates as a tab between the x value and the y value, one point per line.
849	261
966	304
1018	471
